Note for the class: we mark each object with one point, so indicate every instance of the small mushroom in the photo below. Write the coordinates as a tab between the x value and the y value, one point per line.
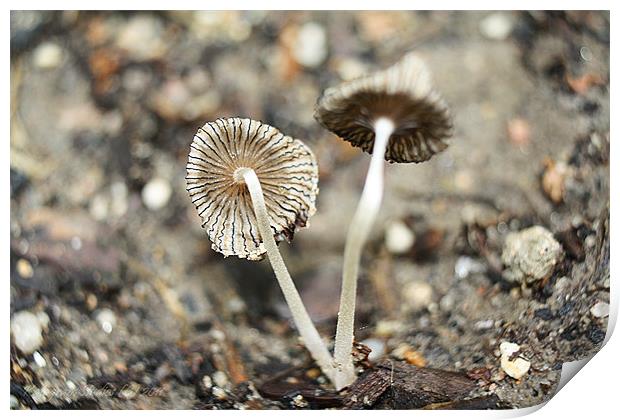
396	115
253	186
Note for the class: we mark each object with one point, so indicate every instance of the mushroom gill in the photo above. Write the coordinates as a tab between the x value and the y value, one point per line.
403	94
285	167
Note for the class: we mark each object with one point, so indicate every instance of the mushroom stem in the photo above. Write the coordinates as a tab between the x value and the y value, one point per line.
359	229
308	332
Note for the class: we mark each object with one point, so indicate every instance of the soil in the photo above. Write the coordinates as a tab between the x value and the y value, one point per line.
143	314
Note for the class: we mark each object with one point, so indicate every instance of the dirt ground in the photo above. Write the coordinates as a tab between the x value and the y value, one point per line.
109	262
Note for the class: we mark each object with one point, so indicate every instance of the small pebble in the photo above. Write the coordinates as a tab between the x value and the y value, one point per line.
466	265
47	56
219	393
398	238
27	331
39	360
518	366
299	401
387	328
141	37
24	268
310	48
377	348
496	26
99	207
554	180
600	310
484	324
220	379
207	382
418	294
156	193
530	255
106	319
118	204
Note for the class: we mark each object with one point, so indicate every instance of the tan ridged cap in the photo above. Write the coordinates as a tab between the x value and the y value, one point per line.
402	93
287	171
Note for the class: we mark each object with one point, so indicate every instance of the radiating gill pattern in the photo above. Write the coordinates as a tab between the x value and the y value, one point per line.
285	167
404	94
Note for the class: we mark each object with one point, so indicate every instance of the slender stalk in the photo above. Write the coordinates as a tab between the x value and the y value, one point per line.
308	332
357	235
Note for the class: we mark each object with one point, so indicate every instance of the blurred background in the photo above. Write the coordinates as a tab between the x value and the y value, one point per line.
118	301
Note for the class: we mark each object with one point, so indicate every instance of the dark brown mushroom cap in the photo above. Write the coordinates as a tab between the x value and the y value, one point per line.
287	171
402	93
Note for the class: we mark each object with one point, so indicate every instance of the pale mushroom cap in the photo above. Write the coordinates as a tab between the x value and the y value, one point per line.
402	93
287	171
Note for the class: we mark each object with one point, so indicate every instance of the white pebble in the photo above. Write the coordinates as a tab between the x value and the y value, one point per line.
118	205
220	379
516	367
27	331
47	56
398	238
496	26
156	193
377	348
107	320
39	360
466	265
530	255
484	324
418	294
311	45
600	310
99	207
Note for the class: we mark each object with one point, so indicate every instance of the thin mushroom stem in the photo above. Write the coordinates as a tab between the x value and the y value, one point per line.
359	229
307	331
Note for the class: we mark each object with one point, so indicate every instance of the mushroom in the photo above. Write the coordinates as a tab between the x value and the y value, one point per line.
396	115
253	187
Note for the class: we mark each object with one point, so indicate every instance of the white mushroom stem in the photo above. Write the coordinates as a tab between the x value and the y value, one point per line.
359	229
309	334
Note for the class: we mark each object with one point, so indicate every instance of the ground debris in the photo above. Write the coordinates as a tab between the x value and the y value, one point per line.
398	385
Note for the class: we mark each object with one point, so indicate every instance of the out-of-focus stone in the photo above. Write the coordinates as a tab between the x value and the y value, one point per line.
156	193
310	48
106	320
600	310
554	179
142	38
27	331
47	56
496	26
530	255
418	295
398	237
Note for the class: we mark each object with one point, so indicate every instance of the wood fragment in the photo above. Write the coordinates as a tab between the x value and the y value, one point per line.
398	385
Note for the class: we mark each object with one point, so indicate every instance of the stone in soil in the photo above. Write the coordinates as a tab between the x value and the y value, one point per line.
530	255
600	310
27	330
515	367
156	193
398	238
